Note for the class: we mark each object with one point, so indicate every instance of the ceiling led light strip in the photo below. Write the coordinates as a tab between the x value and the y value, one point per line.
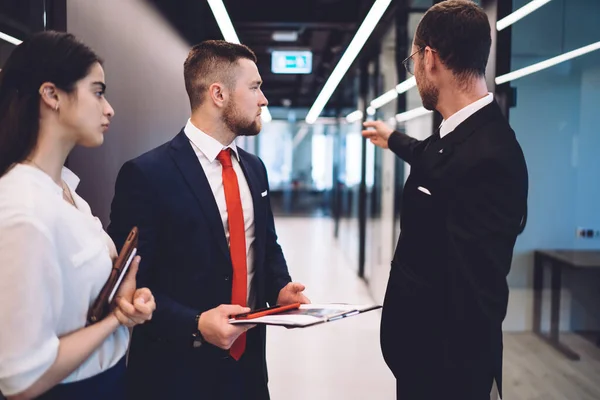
363	33
229	34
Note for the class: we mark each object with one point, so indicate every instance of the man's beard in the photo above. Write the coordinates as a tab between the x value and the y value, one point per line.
237	124
429	93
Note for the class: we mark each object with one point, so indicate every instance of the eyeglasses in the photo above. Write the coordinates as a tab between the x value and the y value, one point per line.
409	63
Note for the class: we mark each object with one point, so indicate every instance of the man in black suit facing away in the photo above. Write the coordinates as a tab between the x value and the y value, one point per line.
463	206
207	240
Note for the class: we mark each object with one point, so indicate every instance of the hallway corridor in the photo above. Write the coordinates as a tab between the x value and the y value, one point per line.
339	360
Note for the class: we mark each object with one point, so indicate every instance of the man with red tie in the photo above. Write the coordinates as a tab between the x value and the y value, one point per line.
207	240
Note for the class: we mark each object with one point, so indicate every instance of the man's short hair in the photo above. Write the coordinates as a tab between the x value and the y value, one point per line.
459	30
209	62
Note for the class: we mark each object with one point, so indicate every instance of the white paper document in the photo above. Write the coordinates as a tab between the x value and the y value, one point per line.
309	314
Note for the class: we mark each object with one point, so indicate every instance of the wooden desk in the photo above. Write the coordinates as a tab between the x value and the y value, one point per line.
557	260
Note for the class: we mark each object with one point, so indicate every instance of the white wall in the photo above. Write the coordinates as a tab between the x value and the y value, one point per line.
144	74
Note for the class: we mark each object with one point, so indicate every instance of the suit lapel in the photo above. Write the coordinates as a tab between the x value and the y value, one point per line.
186	160
255	189
435	155
438	153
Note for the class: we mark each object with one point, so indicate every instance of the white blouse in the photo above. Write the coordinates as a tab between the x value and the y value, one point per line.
54	260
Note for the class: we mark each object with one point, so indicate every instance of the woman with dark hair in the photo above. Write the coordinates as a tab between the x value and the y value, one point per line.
54	255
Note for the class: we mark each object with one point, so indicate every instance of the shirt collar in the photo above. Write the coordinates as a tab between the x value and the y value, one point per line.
208	145
70	178
67	175
459	117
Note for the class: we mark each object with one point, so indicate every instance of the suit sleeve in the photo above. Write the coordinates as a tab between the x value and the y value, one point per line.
135	204
403	145
277	275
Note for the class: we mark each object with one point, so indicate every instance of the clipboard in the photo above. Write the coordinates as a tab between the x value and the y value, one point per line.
307	315
101	306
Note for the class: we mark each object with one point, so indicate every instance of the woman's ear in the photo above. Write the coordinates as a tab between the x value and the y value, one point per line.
49	95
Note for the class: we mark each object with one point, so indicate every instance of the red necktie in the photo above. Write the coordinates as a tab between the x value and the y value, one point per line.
237	242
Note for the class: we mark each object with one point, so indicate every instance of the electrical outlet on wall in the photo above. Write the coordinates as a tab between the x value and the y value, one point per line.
587	233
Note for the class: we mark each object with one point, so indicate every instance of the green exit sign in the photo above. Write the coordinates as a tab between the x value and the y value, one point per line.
291	62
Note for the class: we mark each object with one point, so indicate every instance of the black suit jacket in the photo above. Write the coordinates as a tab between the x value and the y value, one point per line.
187	265
463	206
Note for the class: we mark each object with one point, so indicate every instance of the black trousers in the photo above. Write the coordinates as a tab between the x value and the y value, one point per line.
250	384
210	374
109	384
434	384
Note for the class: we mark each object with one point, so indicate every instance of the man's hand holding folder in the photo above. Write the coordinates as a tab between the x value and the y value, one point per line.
215	327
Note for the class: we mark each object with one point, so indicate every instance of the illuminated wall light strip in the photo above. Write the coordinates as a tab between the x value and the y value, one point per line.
385	98
354	116
10	39
406	85
520	13
392	94
412	114
363	33
511	76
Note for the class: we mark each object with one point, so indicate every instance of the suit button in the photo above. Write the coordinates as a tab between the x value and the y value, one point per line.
227	277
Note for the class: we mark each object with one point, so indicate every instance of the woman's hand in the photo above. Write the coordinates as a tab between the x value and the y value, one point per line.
133	306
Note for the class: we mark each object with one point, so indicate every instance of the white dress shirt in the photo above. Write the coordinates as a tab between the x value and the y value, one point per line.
54	260
459	117
207	148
